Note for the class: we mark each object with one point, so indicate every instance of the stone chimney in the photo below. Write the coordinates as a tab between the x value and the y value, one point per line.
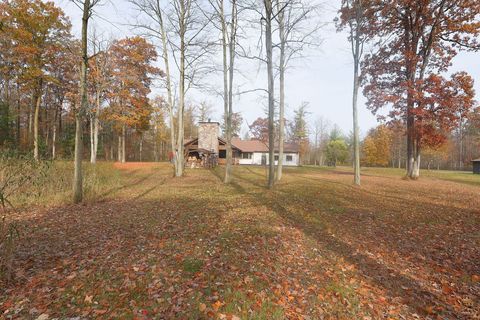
208	135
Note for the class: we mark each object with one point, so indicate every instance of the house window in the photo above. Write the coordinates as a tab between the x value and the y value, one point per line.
289	158
276	158
246	155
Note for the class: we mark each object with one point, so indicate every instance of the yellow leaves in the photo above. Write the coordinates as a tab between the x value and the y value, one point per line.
376	147
88	299
202	307
247	279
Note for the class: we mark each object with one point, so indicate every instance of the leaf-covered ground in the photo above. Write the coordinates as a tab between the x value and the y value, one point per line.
316	247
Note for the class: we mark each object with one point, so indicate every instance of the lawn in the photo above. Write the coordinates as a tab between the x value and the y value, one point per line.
149	246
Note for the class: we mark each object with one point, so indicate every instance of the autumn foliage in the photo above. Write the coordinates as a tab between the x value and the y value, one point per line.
417	41
377	147
131	73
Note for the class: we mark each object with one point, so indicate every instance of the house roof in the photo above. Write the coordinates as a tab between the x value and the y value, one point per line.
259	146
476	160
252	145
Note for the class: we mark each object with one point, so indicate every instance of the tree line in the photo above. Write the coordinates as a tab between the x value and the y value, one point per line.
58	91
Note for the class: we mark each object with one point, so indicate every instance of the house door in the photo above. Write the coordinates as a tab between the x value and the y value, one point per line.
264	159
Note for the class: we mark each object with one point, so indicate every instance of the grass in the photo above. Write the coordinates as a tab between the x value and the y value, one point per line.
54	186
466	177
147	245
192	265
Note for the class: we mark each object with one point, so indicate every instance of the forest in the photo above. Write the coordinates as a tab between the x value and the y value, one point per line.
96	138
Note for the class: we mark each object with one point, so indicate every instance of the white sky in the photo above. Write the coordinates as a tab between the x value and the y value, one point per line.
324	78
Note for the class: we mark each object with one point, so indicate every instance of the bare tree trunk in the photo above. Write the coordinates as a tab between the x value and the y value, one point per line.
54	134
226	95
180	134
46	129
123	143
281	138
119	149
38	101
158	12
271	96
155	143
95	137
416	162
356	139
141	146
30	123
228	51
410	143
78	176
460	156
91	137
94	124
231	48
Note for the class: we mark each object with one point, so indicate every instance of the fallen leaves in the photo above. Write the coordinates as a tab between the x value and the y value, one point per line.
88	299
195	246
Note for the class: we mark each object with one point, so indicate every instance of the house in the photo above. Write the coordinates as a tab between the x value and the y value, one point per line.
200	151
476	166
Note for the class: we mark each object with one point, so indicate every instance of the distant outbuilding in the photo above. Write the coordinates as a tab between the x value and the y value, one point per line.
476	166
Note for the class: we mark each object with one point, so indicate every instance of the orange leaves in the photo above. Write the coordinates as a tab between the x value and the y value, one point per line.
217	305
404	73
35	37
213	311
131	76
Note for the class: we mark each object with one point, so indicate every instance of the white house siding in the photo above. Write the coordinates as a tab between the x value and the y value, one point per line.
245	161
257	159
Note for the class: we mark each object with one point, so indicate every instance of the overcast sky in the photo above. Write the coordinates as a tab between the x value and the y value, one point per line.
323	78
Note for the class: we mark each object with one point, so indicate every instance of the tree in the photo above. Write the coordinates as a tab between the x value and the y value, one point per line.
416	42
295	31
336	151
398	146
268	19
320	128
236	126
259	130
228	43
376	147
299	129
63	88
99	81
154	12
160	128
181	26
190	121
34	39
87	9
132	72
353	15
435	155
204	111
